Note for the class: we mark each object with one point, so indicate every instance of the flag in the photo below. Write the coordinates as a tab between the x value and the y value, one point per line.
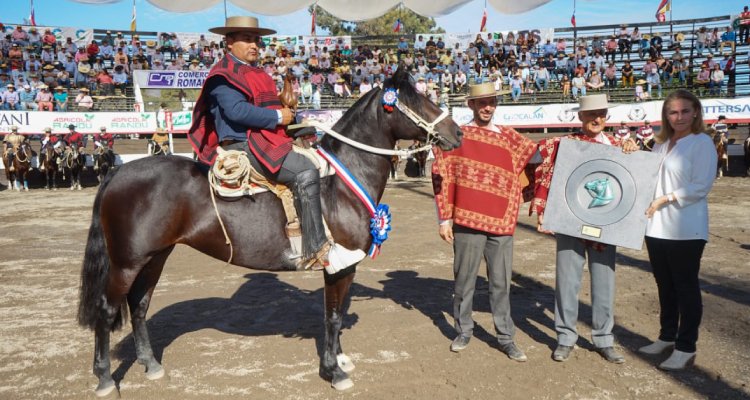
132	20
32	20
398	26
661	11
483	24
573	20
312	27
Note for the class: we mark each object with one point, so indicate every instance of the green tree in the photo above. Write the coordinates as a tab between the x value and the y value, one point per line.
412	23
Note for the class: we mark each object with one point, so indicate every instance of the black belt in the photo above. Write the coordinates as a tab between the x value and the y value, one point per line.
229	142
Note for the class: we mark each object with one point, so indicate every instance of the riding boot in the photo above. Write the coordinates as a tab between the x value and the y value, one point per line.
315	245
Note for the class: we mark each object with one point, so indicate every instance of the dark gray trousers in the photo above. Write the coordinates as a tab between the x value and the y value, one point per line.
470	247
571	256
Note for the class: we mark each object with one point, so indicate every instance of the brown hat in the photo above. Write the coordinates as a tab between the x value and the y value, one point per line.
241	24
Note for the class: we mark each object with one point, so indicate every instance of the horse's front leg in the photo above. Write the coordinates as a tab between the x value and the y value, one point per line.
334	364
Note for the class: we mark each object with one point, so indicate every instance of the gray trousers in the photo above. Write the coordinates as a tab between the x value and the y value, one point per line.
470	247
571	256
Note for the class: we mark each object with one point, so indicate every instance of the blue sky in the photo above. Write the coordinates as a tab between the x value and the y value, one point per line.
552	15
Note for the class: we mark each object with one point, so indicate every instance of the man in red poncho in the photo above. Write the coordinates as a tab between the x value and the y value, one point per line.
478	192
239	109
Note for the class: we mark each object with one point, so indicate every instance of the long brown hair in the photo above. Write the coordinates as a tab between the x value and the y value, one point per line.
666	129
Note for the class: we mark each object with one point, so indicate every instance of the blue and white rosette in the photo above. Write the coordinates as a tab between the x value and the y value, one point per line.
380	225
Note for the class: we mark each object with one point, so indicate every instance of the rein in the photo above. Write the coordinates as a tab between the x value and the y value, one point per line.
18	155
433	137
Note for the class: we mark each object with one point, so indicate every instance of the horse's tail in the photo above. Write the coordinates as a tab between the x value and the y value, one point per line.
95	271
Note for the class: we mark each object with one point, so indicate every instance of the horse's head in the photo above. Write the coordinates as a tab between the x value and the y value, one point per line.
413	116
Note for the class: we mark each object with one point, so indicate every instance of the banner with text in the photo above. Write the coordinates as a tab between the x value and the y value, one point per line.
34	122
150	79
565	115
331	42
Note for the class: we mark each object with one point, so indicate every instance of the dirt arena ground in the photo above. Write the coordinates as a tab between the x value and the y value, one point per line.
225	332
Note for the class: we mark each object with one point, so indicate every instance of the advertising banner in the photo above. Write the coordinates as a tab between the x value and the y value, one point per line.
193	37
81	37
34	122
566	114
150	79
181	121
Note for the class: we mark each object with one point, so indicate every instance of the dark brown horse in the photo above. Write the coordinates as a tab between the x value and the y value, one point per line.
104	160
73	163
17	164
128	242
50	167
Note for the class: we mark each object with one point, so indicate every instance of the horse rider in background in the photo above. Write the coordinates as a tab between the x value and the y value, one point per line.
644	136
103	139
239	109
49	139
160	141
12	141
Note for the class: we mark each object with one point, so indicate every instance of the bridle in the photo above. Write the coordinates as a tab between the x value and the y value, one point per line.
433	136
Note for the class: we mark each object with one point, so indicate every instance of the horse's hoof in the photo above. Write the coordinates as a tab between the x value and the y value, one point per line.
343	384
156	374
102	391
345	363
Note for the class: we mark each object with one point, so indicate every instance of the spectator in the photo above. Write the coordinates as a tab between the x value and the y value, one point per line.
83	100
656	44
728	66
61	99
10	100
640	94
744	26
92	50
635	38
652	79
460	81
105	82
26	99
578	84
702	80
595	82
542	78
611	48
624	42
516	86
565	86
716	81
44	99
20	37
728	38
714	39
610	76
645	47
627	74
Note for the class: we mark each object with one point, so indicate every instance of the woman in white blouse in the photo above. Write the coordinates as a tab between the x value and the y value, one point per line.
678	226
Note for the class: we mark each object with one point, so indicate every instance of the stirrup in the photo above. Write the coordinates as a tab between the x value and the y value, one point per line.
320	260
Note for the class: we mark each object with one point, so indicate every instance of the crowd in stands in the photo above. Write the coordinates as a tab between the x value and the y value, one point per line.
37	72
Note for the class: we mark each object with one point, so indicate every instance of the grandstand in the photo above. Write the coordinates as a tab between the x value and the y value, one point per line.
739	86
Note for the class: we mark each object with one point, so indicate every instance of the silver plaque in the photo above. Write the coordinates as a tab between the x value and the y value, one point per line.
600	193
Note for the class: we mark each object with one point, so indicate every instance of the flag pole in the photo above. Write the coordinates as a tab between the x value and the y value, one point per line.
225	10
575	31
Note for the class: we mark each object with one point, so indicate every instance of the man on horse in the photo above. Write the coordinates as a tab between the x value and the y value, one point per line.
477	191
623	132
239	109
12	141
75	138
160	141
644	136
103	139
49	139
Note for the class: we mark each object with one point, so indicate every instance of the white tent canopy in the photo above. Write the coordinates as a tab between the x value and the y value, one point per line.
349	10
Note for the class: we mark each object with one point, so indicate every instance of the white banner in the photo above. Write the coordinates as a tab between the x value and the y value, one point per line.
565	115
81	37
181	121
149	79
34	122
463	39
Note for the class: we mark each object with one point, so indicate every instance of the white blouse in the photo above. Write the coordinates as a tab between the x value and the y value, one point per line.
688	172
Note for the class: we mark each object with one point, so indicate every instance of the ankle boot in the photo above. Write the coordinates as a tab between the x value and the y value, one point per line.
679	360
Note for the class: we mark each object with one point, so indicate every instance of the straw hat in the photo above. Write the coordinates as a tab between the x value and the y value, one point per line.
640	82
83	89
14	128
48	67
10	85
680	37
84	68
103	128
47	130
593	102
481	90
241	24
160	130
